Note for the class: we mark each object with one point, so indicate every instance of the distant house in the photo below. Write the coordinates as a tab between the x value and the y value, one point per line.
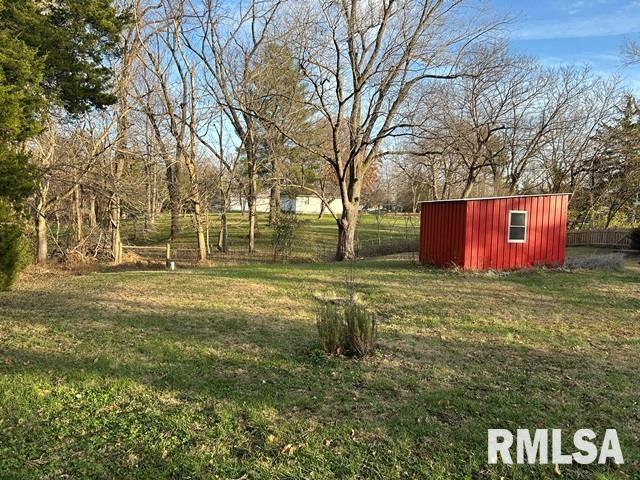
240	204
308	204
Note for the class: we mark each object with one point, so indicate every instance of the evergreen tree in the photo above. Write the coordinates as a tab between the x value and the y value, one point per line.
52	54
280	101
614	178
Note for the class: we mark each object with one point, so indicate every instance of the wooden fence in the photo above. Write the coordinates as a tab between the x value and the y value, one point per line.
599	238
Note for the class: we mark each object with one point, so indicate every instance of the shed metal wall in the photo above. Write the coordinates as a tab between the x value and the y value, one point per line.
442	233
474	233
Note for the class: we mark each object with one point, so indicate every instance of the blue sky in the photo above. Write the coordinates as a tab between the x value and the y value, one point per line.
576	32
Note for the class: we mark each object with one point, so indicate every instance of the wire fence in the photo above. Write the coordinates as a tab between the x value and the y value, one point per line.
326	252
241	255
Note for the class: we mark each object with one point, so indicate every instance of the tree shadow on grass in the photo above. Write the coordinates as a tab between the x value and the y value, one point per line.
425	400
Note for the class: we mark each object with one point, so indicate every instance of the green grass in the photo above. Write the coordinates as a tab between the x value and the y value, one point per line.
312	235
218	373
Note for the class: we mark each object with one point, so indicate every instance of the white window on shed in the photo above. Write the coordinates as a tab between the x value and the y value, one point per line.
517	226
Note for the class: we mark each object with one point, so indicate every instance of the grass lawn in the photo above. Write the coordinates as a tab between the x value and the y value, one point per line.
312	233
217	373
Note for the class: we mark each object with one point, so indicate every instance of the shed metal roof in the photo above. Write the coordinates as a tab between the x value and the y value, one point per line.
494	198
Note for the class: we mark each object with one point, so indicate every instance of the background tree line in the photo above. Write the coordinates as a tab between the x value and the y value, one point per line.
119	111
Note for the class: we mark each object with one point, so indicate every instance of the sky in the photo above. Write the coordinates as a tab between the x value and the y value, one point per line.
563	32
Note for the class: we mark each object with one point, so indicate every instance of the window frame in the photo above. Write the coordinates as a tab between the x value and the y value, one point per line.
526	218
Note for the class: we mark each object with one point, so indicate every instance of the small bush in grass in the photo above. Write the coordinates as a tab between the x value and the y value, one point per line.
635	238
611	261
360	332
285	227
346	327
331	328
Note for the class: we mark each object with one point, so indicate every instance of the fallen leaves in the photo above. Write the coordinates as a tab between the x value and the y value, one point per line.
290	449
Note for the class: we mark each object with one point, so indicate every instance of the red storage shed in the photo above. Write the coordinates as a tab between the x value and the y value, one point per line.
498	233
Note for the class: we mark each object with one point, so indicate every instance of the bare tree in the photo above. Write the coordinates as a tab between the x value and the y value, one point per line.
210	133
537	111
412	176
66	156
131	44
362	60
165	56
229	46
632	52
572	146
490	131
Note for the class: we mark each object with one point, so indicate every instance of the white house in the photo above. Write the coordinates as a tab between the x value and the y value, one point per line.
240	204
308	204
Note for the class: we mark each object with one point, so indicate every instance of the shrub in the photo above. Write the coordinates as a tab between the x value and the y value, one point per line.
360	332
346	326
14	251
611	261
330	328
635	238
285	227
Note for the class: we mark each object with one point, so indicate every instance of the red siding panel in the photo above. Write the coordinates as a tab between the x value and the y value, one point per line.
562	241
442	233
474	233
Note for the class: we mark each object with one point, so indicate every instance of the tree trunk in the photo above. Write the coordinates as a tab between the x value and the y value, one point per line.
346	233
148	214
197	211
156	200
202	241
222	234
251	206
194	188
172	172
77	214
42	240
93	221
322	209
611	213
350	189
150	169
206	228
243	206
116	241
42	246
274	203
274	199
467	187
252	199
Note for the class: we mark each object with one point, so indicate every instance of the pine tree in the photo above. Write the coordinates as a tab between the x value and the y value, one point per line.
615	177
280	101
52	54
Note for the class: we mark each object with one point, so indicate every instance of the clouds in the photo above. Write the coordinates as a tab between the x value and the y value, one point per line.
582	6
578	19
578	32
